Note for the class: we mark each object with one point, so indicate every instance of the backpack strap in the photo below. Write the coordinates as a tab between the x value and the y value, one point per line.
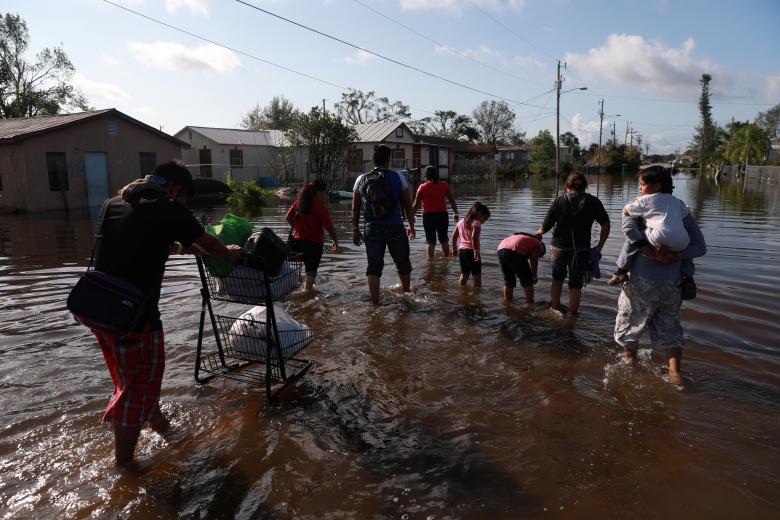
98	232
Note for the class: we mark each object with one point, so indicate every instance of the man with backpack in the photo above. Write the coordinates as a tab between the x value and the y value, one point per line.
380	193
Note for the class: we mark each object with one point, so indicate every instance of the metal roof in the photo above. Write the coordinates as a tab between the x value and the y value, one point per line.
237	136
17	129
377	132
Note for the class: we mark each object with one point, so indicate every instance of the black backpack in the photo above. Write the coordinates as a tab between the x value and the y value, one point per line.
376	194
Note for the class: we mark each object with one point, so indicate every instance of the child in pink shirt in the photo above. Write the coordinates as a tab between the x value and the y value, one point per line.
518	256
468	231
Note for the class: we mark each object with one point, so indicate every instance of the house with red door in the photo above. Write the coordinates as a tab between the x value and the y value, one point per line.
409	151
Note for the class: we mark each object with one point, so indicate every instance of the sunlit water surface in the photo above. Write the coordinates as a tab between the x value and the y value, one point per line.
440	404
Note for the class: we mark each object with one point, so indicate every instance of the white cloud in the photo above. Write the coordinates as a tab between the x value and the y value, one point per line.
359	58
630	61
486	54
586	131
176	57
109	60
457	6
196	7
99	89
773	88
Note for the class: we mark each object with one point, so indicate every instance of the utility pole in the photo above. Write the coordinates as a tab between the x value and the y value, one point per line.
601	125
323	106
625	139
557	126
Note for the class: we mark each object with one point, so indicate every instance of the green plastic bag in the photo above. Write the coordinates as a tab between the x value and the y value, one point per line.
230	230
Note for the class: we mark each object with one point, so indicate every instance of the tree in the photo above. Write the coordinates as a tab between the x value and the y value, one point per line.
494	119
570	140
327	138
748	144
33	88
769	121
278	114
544	151
357	107
704	140
450	124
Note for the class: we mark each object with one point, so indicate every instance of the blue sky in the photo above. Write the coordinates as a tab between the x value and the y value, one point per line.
644	58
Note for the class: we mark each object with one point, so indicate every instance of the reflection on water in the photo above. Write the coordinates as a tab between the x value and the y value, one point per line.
439	404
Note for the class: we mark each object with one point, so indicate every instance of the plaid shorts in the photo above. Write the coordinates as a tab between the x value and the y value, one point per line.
136	363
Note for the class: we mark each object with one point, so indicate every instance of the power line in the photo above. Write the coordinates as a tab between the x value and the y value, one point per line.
242	53
679	101
509	29
446	47
378	55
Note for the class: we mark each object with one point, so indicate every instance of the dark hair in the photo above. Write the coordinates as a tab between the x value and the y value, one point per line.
432	173
476	210
176	173
305	198
652	175
666	182
382	154
544	248
577	181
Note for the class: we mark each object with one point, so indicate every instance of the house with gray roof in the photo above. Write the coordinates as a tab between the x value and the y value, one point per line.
68	161
244	154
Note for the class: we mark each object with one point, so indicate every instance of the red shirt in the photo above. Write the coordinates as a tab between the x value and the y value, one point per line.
523	245
309	227
433	196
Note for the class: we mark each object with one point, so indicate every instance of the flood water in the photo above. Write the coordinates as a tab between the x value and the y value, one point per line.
442	404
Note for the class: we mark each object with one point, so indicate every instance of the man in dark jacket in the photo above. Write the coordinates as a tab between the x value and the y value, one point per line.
572	215
141	227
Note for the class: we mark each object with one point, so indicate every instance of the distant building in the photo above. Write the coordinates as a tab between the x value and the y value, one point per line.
522	155
246	154
774	150
69	161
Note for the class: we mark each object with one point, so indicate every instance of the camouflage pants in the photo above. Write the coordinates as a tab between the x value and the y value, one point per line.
652	306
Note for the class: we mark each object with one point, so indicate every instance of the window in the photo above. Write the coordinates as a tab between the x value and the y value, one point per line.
148	161
399	158
355	160
399	132
58	171
113	128
236	158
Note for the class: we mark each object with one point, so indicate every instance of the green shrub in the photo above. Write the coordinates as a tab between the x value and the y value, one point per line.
247	198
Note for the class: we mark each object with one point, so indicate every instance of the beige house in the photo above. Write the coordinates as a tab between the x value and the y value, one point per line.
409	150
245	154
77	160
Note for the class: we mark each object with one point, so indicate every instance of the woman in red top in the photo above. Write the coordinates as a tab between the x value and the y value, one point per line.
308	216
433	196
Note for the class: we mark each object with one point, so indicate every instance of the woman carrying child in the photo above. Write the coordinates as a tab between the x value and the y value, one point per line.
308	216
468	231
433	195
518	256
651	299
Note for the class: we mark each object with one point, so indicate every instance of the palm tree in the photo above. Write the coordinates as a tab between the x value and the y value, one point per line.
749	144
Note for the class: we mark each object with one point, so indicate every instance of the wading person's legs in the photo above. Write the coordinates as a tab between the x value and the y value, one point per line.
136	363
398	245
575	296
556	289
375	254
432	250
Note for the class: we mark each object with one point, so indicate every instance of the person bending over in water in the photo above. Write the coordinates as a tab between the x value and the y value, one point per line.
468	231
662	215
518	256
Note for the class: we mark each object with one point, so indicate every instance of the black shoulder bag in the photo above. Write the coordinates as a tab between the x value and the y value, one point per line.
104	302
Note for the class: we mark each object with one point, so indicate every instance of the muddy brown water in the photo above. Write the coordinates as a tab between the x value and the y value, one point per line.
440	404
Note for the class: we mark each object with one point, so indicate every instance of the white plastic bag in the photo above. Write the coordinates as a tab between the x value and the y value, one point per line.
247	335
